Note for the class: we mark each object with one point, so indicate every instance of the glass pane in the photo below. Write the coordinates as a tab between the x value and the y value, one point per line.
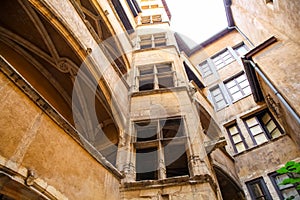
236	138
164	68
241	50
233	130
244	83
241	78
266	117
279	179
159	36
165	81
146	83
240	147
229	60
247	90
255	130
260	138
221	104
218	97
146	131
270	126
251	122
146	45
230	84
276	133
216	91
148	70
160	43
290	192
257	190
233	89
237	96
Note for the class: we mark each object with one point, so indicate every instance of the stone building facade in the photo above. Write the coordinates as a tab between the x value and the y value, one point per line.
101	100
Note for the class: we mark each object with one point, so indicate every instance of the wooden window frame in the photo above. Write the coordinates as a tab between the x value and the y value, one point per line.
258	117
241	136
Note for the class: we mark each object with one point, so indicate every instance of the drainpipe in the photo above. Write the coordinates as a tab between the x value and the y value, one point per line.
276	92
237	28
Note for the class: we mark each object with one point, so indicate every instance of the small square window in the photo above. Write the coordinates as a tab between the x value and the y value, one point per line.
258	189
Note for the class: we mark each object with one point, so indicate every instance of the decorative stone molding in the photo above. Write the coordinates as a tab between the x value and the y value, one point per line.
275	107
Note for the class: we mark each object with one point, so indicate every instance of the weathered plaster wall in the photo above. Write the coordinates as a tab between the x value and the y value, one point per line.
176	192
30	139
259	20
268	158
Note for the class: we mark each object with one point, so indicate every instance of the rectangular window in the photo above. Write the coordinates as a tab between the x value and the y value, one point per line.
145	41
263	127
236	138
241	49
258	189
284	191
152	41
151	19
205	69
222	59
155	76
160	149
238	87
218	97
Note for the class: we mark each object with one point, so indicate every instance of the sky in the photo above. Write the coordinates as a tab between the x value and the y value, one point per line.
197	20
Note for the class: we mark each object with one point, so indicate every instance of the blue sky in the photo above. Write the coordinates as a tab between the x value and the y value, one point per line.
197	19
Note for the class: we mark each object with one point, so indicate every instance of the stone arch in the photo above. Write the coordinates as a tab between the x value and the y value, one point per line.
230	190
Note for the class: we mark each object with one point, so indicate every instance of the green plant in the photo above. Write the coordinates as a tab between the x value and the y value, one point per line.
292	169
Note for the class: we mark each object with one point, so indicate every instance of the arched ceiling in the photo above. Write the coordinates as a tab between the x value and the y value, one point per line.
37	51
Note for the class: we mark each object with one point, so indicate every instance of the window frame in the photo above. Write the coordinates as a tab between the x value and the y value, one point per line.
241	136
238	84
161	143
202	69
219	55
263	187
151	19
153	40
272	177
156	75
240	45
258	117
217	108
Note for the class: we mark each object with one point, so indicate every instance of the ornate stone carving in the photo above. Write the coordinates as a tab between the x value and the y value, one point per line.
275	107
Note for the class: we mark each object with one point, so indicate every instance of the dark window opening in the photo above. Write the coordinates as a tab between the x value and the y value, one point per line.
146	131
176	160
146	164
146	83
172	128
165	81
